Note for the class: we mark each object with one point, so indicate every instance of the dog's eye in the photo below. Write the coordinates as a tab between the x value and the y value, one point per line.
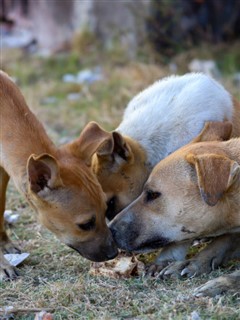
111	208
152	195
88	225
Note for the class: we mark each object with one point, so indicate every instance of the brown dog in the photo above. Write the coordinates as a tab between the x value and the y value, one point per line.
191	194
58	183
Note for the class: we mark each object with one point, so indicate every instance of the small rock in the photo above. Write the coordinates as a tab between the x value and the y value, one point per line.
74	96
89	76
11	216
69	78
236	79
49	100
173	67
195	315
208	67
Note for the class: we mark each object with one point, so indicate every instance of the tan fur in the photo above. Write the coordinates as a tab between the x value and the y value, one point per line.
191	194
182	211
58	183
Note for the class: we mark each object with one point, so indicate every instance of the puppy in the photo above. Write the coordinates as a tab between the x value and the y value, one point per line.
57	183
191	194
158	121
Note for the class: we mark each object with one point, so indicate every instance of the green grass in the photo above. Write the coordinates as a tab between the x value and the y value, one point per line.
54	276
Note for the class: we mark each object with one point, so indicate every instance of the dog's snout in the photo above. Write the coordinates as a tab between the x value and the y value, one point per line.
112	255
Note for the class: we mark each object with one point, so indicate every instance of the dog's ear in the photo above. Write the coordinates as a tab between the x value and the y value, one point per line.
92	139
121	147
43	173
215	175
215	131
119	152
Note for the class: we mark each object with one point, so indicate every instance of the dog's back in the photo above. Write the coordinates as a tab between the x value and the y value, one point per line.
18	124
173	111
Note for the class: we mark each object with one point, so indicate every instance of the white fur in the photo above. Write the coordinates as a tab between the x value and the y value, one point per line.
172	111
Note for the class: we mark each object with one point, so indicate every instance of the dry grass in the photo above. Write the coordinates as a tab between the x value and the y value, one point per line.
55	277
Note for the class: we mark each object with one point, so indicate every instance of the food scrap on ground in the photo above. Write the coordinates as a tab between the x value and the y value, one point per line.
121	267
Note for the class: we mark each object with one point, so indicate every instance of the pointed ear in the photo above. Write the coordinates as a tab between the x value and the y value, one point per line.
215	131
43	173
215	175
121	147
92	139
115	148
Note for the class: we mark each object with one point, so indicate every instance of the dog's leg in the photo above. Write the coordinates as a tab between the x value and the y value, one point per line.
6	246
172	252
229	283
219	251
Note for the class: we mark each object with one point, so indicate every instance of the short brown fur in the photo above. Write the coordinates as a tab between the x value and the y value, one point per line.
57	182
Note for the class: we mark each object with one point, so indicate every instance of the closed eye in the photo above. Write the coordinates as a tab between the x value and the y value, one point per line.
88	225
152	195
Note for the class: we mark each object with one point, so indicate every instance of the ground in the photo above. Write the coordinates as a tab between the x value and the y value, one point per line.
55	277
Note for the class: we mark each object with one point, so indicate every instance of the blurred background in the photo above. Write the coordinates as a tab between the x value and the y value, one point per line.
90	57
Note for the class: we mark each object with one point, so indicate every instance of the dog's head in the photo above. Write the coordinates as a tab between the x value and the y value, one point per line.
69	199
119	164
192	193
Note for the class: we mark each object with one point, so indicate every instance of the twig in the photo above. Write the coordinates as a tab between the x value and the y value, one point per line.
8	310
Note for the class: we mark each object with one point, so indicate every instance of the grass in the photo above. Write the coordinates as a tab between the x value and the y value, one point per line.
54	276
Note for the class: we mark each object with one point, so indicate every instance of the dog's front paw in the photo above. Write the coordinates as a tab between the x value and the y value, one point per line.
187	268
220	285
7	272
173	270
155	268
213	287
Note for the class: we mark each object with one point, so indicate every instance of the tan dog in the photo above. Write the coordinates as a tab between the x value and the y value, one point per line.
58	183
158	121
191	194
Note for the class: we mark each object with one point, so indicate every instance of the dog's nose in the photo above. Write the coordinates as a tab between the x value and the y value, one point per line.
112	255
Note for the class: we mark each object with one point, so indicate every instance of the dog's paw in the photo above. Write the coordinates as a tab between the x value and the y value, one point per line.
187	268
155	268
229	283
173	270
213	287
7	272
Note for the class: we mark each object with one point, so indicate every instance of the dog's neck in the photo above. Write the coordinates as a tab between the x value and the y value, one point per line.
21	135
